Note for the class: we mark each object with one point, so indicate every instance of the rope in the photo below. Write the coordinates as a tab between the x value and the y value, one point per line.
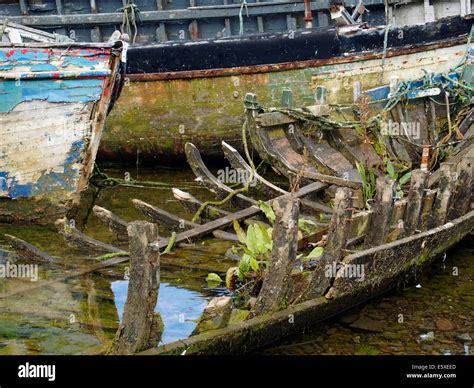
232	194
131	15
102	180
385	40
241	18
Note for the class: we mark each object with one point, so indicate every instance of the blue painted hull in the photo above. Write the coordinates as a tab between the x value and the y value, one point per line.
53	105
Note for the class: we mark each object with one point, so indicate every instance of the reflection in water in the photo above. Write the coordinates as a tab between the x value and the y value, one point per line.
179	308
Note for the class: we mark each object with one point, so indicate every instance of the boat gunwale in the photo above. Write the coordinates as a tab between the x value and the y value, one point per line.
52	45
284	66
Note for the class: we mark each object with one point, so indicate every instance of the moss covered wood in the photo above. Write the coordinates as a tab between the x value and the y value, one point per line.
277	285
140	327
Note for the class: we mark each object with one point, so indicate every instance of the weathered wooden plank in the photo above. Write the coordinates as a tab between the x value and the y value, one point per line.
23	7
398	214
223	222
463	189
192	204
141	327
238	162
277	285
336	242
328	160
228	11
381	218
333	180
226	236
418	184
78	239
163	217
446	184
467	151
116	225
27	251
205	177
427	210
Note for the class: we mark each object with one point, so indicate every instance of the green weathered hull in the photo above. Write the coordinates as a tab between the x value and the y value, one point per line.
155	119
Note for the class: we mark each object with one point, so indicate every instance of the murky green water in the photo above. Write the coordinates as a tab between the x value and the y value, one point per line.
81	315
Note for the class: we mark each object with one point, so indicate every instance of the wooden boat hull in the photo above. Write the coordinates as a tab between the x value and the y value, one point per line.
399	261
54	103
165	107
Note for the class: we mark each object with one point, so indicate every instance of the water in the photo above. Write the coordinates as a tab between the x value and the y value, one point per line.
179	308
81	315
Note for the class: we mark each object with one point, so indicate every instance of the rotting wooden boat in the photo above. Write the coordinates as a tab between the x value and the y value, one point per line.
398	237
55	97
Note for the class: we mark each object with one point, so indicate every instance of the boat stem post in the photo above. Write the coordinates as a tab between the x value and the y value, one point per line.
381	219
338	234
277	286
141	327
418	184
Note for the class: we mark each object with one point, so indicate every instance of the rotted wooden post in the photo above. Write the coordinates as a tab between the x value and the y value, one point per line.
398	213
338	234
381	219
461	202
418	184
446	185
141	327
277	286
427	210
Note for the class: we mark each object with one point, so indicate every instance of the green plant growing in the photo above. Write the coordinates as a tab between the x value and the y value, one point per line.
394	175
256	244
368	183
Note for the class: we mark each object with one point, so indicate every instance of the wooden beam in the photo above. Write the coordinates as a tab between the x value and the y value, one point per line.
163	217
116	225
442	202
338	234
23	7
141	327
27	251
94	8
381	218
277	286
192	204
78	239
206	178
461	202
333	180
202	12
418	184
208	228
